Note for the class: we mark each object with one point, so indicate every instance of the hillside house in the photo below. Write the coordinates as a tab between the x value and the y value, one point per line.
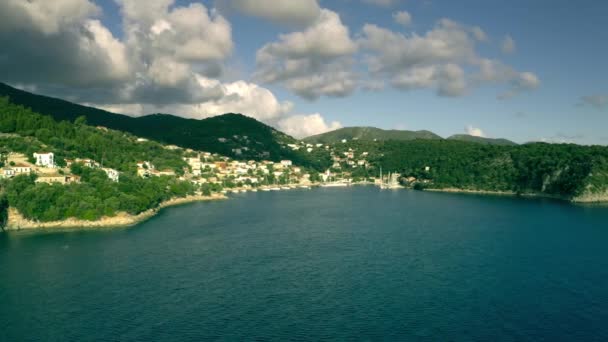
57	179
286	163
113	175
145	165
22	169
45	159
7	172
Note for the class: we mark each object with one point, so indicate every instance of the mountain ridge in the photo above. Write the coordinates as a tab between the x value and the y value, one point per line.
374	133
481	140
370	133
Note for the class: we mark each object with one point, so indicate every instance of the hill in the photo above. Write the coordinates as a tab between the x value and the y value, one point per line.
481	140
232	135
369	133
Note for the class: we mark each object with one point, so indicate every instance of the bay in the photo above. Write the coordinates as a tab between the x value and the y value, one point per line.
325	264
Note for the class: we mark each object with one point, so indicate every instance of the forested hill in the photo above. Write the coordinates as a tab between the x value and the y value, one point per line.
481	140
369	133
232	135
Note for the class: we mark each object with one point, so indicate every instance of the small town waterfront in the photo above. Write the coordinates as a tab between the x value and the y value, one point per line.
323	264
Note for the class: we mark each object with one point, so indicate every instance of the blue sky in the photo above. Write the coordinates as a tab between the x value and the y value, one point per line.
551	86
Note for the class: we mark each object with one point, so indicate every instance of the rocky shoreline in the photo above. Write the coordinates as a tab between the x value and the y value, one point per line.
16	221
582	199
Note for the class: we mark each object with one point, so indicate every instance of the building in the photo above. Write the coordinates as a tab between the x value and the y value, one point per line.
113	175
57	179
45	159
22	169
7	172
286	162
145	165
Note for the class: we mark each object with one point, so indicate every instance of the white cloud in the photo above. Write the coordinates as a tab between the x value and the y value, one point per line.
508	44
479	34
599	101
300	12
245	98
59	42
301	126
445	59
402	18
47	17
474	131
311	63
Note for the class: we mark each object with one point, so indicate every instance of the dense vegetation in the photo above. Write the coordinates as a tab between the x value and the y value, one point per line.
27	132
565	170
95	197
70	140
369	133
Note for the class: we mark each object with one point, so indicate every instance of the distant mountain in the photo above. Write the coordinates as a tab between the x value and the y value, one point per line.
370	133
233	135
482	140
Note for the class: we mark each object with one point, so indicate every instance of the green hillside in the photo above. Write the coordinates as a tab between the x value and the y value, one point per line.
233	135
481	140
369	133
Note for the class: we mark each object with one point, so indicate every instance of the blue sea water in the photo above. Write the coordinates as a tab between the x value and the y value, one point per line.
326	264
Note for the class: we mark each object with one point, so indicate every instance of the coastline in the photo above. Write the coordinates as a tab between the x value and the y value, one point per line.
581	199
16	221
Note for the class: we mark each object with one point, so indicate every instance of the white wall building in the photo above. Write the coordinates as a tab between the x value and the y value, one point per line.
45	159
112	174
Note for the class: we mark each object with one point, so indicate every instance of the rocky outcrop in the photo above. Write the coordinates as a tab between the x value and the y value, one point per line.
16	221
592	197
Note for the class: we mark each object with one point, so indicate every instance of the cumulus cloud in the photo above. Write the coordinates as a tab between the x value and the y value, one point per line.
301	126
58	42
494	71
474	131
402	18
508	44
300	12
599	101
438	59
311	63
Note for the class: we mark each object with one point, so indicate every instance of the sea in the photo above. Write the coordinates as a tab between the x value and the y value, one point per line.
328	264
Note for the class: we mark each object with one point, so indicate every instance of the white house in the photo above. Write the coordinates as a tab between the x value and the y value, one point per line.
286	162
45	159
21	169
8	172
112	174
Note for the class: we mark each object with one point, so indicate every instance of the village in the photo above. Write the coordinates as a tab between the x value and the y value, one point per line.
222	173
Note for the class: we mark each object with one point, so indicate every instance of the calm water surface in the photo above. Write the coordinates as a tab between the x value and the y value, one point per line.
326	264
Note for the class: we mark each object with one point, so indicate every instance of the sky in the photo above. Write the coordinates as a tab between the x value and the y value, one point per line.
522	70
